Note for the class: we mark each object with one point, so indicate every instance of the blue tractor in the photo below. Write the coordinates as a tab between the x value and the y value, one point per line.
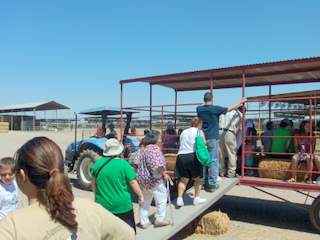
80	155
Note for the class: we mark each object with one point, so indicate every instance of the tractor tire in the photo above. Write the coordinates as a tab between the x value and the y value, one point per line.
314	213
86	159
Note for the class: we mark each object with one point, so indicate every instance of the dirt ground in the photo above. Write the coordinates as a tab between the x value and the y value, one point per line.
254	214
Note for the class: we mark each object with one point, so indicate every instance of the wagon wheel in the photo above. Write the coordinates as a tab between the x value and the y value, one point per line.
314	213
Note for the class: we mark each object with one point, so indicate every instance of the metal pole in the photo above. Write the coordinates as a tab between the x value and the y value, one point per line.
161	125
34	120
57	119
211	84
11	121
243	125
75	131
270	92
45	120
175	109
21	124
310	161
121	112
150	107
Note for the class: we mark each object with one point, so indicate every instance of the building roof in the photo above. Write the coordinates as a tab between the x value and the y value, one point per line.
303	70
291	97
28	107
104	110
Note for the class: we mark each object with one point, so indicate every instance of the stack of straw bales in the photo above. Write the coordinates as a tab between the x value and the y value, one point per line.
4	127
213	223
171	161
267	169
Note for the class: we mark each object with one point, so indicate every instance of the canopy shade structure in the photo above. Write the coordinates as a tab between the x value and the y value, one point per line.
303	70
28	107
292	97
104	110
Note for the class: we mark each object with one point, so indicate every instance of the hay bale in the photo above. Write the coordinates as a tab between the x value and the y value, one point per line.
267	167
213	223
4	127
171	159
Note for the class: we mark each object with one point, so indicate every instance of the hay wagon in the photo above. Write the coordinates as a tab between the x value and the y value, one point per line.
271	174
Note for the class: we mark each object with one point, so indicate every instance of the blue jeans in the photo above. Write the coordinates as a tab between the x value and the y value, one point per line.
210	174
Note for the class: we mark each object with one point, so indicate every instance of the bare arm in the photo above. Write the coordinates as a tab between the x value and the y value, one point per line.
137	190
237	105
201	133
163	173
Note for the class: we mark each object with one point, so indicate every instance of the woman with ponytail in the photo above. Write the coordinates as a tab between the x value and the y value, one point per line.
53	213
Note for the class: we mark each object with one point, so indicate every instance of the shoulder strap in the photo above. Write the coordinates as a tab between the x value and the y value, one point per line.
103	165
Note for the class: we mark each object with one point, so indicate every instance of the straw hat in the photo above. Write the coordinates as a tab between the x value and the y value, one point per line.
113	147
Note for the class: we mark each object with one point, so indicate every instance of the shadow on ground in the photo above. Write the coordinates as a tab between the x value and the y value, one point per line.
265	212
269	213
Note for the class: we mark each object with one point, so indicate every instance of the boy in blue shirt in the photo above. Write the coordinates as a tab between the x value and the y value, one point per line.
8	187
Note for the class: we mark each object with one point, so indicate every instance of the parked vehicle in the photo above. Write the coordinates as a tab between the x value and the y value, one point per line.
80	155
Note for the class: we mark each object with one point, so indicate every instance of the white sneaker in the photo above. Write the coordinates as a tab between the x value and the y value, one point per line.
199	200
219	179
180	202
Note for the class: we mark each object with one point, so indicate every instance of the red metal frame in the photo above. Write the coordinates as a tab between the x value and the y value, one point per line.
263	182
250	181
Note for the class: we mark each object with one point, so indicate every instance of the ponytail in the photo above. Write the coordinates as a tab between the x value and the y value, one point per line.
60	200
42	160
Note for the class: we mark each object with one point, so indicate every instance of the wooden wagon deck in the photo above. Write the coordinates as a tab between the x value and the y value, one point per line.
183	216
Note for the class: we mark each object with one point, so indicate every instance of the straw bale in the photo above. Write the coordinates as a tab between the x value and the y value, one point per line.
267	166
171	161
4	127
213	223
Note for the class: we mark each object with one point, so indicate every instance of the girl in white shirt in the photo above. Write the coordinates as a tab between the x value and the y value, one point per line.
187	165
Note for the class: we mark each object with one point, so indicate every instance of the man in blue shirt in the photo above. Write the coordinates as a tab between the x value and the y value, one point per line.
209	114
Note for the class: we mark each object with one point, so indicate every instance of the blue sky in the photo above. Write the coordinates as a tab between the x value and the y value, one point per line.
75	52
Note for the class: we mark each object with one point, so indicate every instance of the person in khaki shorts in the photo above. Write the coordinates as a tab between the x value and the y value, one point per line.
229	126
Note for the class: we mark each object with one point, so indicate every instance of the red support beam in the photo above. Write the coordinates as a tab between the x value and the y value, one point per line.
121	111
264	182
312	80
238	76
243	125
